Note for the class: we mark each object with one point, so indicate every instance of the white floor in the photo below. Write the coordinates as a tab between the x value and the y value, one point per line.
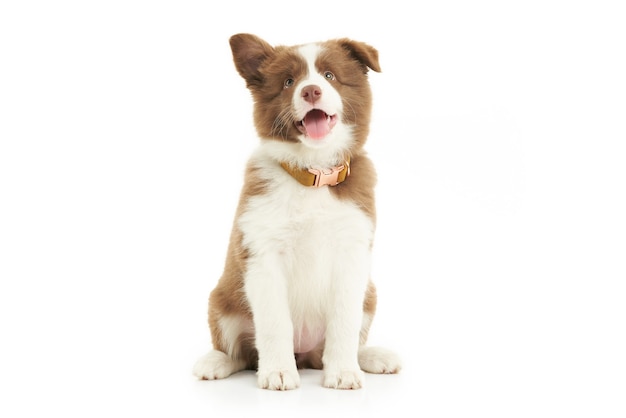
498	133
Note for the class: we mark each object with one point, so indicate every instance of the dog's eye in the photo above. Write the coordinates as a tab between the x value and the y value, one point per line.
329	76
289	82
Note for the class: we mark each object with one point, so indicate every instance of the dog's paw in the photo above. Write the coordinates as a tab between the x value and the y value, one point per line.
343	379
378	360
278	379
215	365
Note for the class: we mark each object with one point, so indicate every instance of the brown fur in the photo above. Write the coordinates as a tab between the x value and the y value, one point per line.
359	185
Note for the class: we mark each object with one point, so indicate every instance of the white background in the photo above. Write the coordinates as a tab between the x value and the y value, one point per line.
498	132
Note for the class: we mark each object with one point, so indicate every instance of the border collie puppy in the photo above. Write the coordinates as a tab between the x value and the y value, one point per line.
296	289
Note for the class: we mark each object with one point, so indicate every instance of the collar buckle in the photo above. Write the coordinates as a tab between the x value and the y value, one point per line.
314	177
329	177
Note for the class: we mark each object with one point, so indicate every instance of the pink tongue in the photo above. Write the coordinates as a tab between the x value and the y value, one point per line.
316	124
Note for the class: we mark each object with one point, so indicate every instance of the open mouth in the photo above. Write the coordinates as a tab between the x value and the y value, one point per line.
316	124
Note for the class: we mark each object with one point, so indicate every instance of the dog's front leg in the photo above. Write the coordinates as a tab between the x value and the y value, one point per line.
340	358
266	291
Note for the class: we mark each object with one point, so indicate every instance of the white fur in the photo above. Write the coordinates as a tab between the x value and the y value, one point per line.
308	270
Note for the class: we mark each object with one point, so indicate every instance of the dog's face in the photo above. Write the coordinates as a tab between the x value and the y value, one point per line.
314	94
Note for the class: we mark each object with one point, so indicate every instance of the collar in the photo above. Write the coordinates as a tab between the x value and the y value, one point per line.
313	177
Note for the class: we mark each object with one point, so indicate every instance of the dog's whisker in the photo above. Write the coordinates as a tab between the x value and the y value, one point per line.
348	102
280	124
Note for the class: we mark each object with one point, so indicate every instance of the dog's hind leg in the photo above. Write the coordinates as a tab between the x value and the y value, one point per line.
216	365
374	359
378	360
233	341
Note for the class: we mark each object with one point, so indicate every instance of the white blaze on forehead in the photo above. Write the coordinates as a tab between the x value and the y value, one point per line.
330	101
310	53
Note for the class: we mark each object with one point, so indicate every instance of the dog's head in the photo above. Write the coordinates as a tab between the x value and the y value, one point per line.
314	94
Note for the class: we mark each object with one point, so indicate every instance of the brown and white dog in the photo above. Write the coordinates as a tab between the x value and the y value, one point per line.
296	289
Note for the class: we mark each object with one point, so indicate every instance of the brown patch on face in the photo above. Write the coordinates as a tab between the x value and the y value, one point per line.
349	61
271	73
273	102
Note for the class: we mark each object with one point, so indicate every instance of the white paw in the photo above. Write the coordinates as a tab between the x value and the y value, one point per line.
378	360
343	379
215	365
278	379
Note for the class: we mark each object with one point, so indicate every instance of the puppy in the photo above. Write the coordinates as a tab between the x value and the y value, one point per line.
296	289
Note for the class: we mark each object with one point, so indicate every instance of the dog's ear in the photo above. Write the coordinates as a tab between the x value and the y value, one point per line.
249	52
362	52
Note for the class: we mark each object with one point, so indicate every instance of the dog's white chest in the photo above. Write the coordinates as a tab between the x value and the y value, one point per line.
311	244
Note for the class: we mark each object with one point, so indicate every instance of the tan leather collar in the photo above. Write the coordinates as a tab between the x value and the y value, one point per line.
318	178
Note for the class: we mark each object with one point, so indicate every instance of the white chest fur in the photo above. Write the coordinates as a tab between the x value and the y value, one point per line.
309	258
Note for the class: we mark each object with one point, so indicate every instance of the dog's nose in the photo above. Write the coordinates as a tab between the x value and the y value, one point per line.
311	93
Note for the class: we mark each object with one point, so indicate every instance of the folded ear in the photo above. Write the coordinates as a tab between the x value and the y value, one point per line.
362	52
249	52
